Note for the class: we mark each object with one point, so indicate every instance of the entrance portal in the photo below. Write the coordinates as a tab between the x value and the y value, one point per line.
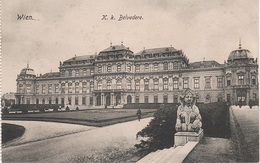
129	99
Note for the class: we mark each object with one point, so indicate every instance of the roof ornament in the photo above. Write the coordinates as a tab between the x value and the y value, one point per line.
111	44
122	42
27	64
240	43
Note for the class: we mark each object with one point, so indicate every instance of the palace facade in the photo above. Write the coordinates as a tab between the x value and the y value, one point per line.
117	76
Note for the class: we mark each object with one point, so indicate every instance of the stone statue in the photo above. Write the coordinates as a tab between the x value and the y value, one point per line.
188	115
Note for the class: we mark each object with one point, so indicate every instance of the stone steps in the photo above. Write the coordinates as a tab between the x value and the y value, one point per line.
171	155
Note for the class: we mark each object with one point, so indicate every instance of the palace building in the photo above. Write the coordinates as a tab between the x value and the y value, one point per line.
117	76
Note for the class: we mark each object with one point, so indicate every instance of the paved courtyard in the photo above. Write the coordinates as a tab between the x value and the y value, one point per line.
41	145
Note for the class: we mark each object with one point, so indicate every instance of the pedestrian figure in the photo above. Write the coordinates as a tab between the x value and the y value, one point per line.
77	108
251	103
139	113
67	108
105	106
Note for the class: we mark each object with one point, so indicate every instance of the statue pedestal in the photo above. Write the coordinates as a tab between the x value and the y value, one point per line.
181	138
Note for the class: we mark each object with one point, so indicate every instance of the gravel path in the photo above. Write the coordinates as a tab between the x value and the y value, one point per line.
70	147
35	131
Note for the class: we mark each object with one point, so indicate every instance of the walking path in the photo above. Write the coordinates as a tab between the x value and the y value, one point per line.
73	146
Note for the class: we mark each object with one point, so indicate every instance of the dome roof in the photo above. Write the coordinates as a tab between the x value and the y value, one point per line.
240	53
27	71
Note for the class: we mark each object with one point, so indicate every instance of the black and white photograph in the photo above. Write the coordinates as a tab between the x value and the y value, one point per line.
150	81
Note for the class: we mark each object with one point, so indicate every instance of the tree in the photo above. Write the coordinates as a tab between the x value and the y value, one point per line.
160	130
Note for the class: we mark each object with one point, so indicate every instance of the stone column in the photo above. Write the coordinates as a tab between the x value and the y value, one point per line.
102	98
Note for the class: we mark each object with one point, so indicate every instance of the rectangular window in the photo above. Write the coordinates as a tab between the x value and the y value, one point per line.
91	72
50	101
219	82
207	82
146	67
175	98
49	89
109	68
146	85
155	67
253	80
196	84
43	89
77	87
165	84
99	69
62	73
21	88
84	72
129	68
146	99
240	79
118	84
129	84
137	85
91	86
63	88
165	66
83	100
56	88
37	89
99	85
185	83
156	84
175	83
77	72
175	65
228	81
137	68
136	99
70	87
69	100
119	68
84	87
155	99
28	88
70	72
109	84
76	100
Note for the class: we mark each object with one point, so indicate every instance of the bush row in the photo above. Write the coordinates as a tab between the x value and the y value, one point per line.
21	107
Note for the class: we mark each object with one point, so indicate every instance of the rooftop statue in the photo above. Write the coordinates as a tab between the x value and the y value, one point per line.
188	115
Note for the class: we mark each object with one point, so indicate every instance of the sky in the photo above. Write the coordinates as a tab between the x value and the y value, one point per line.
61	29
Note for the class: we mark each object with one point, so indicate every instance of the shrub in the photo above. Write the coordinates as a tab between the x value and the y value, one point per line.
5	110
24	111
159	131
42	110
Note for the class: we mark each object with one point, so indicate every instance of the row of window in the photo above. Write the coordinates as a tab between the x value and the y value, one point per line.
137	85
56	101
83	72
241	80
137	67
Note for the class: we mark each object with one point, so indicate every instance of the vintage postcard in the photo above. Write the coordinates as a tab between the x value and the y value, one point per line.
130	81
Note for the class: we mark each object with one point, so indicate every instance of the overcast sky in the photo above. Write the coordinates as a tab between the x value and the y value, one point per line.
65	28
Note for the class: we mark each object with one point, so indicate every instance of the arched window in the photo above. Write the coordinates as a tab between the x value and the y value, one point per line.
118	84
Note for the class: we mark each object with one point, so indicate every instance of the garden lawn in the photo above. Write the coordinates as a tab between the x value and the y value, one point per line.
101	117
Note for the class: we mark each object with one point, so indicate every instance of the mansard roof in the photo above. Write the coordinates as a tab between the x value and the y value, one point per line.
115	48
205	64
51	74
81	58
157	50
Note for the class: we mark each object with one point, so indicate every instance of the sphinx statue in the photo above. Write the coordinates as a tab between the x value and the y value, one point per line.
188	115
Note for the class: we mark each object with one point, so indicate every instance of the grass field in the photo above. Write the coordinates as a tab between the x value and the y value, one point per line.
98	118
